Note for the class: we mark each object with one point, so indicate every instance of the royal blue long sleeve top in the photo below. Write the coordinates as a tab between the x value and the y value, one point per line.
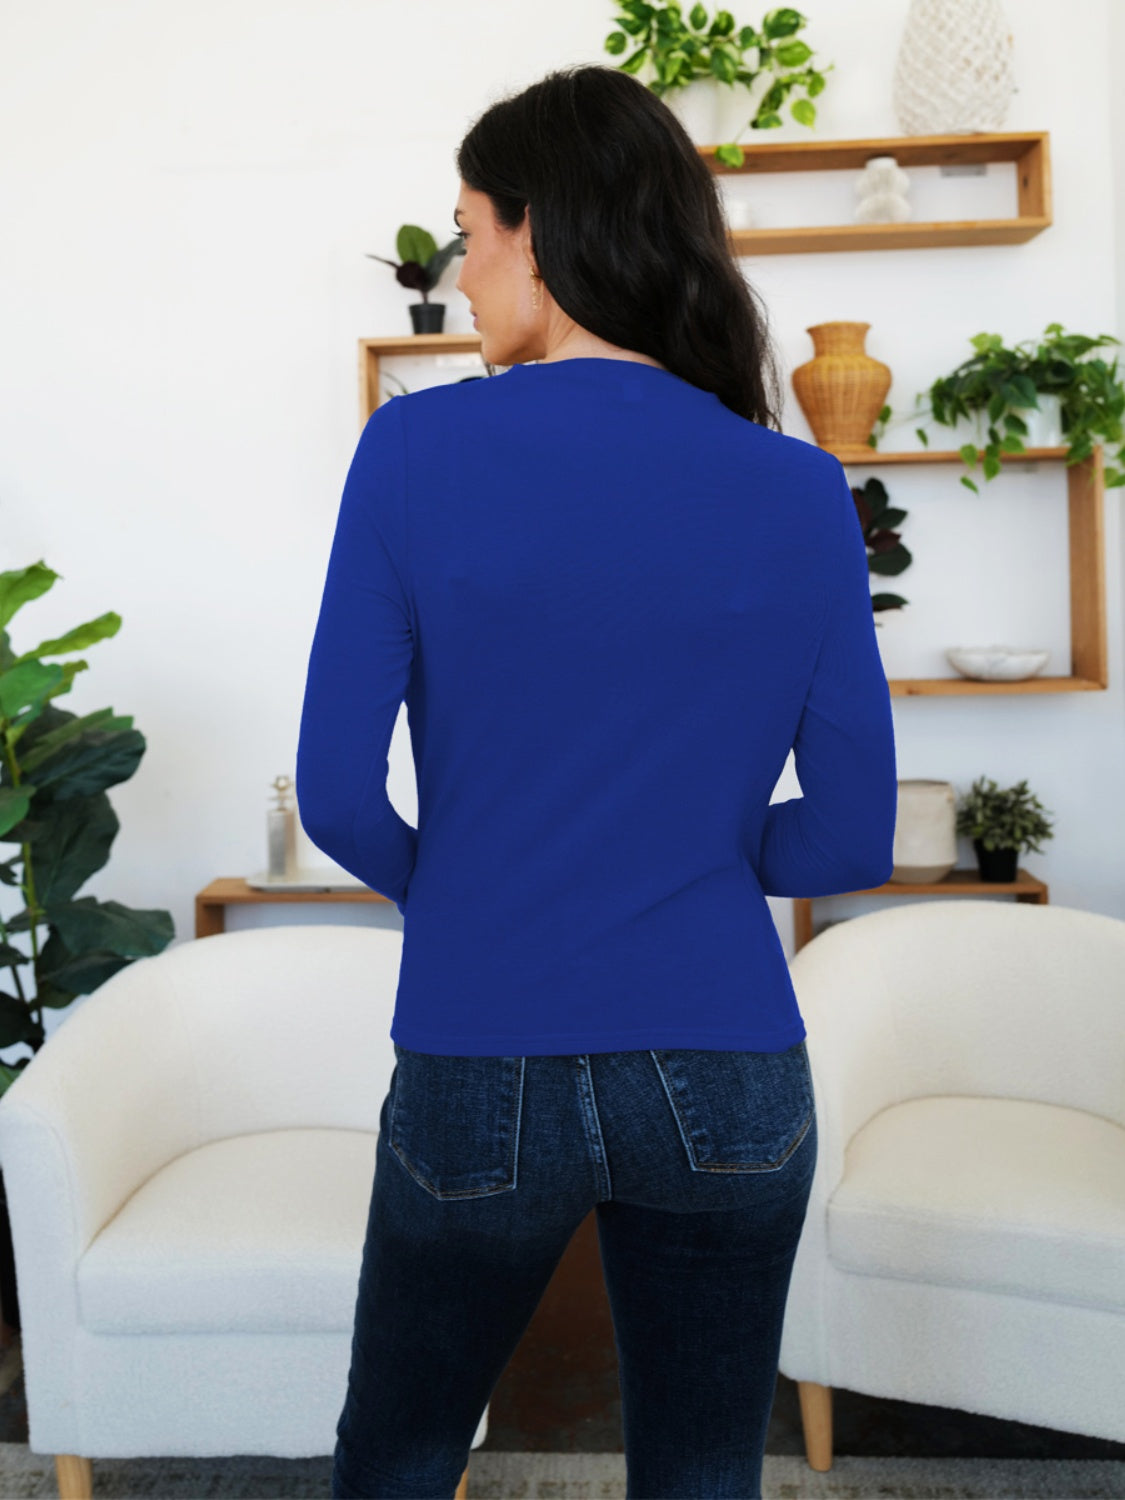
612	607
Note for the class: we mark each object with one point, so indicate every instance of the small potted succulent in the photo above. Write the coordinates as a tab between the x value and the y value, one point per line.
420	266
684	52
1004	388
1000	824
889	555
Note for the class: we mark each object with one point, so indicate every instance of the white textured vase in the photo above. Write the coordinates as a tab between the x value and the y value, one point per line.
953	73
925	846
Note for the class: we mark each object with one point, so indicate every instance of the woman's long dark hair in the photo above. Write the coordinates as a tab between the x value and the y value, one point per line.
627	228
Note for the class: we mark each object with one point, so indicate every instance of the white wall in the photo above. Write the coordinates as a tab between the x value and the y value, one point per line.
187	194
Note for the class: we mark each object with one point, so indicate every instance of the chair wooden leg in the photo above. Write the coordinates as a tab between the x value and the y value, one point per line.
462	1490
816	1418
75	1477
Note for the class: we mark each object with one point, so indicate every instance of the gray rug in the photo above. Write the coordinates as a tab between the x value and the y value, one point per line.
580	1476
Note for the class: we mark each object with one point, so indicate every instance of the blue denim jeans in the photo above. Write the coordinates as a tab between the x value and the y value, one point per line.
698	1165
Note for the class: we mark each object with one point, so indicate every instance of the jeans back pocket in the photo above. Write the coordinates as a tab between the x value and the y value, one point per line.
739	1111
454	1122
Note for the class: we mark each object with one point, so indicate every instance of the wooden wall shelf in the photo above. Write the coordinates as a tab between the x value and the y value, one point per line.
1029	150
1085	489
372	351
960	882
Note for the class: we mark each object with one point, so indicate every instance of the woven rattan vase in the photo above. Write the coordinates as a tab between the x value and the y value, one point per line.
841	389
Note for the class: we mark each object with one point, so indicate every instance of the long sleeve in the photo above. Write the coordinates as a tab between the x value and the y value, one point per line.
359	669
839	835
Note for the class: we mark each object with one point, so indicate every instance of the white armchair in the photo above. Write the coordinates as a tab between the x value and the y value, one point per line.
965	1238
188	1164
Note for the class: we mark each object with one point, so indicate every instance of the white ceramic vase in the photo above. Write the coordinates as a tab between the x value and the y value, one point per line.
953	73
925	846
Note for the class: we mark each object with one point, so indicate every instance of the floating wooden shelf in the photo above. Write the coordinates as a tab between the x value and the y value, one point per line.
371	351
960	882
1085	489
1029	150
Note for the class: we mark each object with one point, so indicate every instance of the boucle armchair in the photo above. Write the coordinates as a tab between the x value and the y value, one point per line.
964	1244
188	1163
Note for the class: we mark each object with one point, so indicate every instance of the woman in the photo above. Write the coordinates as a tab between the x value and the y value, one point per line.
614	597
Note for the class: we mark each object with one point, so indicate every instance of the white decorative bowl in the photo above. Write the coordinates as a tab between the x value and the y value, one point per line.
997	663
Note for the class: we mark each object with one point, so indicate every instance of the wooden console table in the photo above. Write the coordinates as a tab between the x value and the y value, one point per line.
212	901
960	882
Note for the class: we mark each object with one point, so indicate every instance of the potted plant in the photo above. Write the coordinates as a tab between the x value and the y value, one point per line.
682	52
1000	386
1000	824
420	266
53	805
888	556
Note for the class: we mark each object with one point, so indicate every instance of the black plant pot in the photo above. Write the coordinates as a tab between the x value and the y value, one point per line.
996	864
9	1304
427	317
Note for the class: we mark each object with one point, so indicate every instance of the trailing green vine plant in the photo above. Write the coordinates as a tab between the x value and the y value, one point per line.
698	48
999	383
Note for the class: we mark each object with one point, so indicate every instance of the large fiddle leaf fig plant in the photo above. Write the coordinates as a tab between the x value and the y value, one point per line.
53	806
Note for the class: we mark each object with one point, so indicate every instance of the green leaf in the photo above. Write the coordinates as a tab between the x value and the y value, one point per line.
90	762
991	465
922	436
53	997
1011	443
77	973
111	927
730	156
14	803
54	739
20	586
17	1024
968	452
782	22
769	121
616	42
416	244
70	843
793	54
78	638
965	480
803	112
814	84
27	685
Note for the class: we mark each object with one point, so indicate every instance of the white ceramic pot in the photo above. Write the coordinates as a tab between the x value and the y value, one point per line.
925	846
714	113
1044	427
